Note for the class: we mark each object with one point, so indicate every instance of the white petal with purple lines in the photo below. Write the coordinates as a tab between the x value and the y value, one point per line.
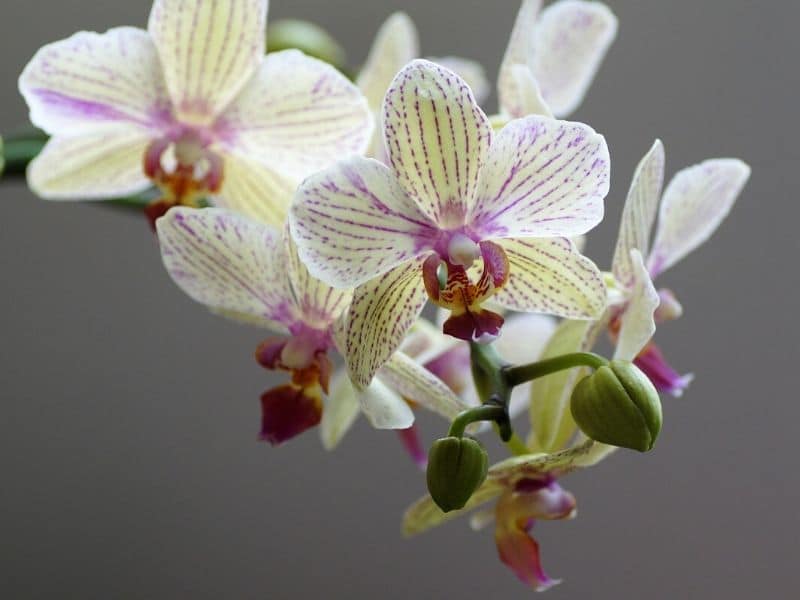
638	324
97	166
228	262
543	178
90	81
694	204
209	49
518	55
353	222
639	213
437	138
381	314
298	115
550	276
471	71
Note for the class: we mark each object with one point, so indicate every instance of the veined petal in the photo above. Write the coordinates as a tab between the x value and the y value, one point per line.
424	514
437	138
470	71
319	303
382	311
532	466
90	81
228	262
298	115
254	190
208	49
570	40
96	166
384	408
518	54
551	421
543	178
341	410
694	204
396	44
523	96
354	222
550	276
638	324
639	213
416	383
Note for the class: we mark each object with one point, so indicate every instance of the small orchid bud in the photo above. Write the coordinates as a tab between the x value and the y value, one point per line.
307	37
457	466
618	405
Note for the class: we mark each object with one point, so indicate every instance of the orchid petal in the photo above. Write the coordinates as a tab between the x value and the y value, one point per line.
570	40
416	383
228	262
437	138
424	514
550	276
90	81
96	166
470	71
523	94
381	314
551	421
384	408
639	213
638	324
254	190
353	222
694	204
532	466
208	50
396	44
341	411
518	54
298	115
543	178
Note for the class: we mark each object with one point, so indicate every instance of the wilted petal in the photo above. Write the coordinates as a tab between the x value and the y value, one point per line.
550	276
228	262
532	466
381	314
384	408
416	383
396	44
353	222
97	166
694	204
90	81
638	324
470	71
208	49
436	138
570	40
298	115
639	213
254	190
341	410
518	53
543	178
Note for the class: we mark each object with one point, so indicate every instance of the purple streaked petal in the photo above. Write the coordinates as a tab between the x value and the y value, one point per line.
665	378
228	263
354	222
543	178
637	323
298	115
91	81
437	138
517	55
209	49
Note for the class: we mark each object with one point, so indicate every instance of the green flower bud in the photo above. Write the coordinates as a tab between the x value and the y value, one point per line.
456	467
618	405
307	37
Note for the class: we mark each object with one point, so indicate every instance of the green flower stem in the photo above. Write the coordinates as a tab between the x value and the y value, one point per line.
486	412
487	371
19	151
523	373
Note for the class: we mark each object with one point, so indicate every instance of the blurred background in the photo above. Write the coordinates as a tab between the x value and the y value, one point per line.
128	438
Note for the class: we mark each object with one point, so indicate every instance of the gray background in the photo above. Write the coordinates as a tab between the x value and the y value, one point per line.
128	453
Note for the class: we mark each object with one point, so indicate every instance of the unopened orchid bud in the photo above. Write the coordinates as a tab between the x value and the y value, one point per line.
618	405
457	466
307	37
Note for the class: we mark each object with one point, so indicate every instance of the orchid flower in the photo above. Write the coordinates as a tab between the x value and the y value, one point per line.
251	272
395	45
552	57
526	490
191	105
460	215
